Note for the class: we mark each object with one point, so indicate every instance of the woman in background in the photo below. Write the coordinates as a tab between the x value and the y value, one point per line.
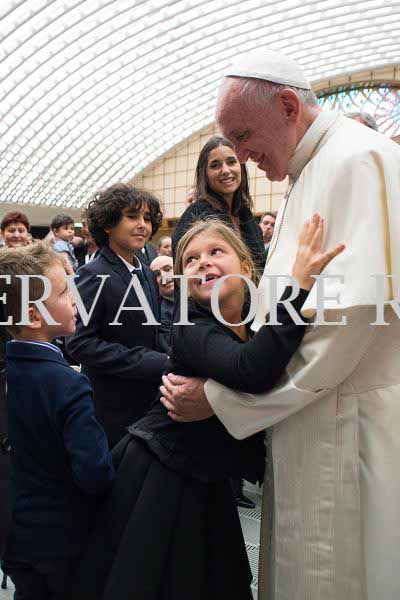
222	190
14	229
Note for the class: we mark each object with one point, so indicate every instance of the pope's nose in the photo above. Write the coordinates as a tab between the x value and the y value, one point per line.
242	155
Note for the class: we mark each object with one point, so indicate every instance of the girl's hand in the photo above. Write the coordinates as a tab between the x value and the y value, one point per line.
310	260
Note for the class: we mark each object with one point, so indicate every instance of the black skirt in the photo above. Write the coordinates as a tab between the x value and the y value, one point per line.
162	536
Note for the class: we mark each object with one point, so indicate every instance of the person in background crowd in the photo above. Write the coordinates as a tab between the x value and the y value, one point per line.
163	266
164	246
267	225
191	195
222	190
88	250
63	228
60	456
123	361
172	484
364	118
15	229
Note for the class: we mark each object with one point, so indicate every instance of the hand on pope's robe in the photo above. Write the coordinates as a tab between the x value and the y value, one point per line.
325	358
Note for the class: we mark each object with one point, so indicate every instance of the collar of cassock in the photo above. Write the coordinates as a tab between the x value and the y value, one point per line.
305	150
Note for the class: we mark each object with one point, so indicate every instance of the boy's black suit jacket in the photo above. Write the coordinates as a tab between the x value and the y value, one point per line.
149	254
122	361
59	454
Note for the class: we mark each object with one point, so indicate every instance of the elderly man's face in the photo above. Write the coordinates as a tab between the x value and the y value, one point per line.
267	225
163	265
266	137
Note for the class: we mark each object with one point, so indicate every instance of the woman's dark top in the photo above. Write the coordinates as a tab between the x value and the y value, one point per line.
249	229
204	449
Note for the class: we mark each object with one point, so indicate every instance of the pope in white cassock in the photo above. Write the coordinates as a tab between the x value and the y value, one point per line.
335	499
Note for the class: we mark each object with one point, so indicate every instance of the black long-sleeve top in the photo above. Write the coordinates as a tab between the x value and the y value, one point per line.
204	449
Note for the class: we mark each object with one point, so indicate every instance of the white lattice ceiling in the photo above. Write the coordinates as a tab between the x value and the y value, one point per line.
92	91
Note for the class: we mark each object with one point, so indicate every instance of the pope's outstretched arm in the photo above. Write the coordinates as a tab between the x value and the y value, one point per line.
327	356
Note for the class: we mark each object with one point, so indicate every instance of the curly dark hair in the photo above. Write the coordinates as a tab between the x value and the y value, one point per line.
61	220
105	211
203	192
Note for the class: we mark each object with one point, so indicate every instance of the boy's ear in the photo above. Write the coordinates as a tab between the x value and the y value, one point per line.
35	318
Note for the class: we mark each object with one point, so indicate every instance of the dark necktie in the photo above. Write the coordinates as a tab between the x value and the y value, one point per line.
144	284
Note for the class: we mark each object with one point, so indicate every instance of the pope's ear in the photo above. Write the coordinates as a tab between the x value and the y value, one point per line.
290	103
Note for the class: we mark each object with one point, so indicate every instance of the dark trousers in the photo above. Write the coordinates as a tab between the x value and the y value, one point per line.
44	580
237	487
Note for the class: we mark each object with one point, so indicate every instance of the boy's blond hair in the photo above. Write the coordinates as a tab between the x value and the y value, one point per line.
35	259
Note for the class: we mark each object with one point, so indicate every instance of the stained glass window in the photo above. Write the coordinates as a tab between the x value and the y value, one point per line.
379	100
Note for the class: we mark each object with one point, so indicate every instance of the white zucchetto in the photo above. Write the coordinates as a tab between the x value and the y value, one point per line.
271	66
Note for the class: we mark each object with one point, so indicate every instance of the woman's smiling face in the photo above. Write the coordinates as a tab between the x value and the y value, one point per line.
223	171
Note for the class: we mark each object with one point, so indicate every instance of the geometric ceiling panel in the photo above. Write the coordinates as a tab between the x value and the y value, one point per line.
93	91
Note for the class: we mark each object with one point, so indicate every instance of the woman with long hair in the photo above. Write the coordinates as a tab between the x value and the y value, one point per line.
169	529
222	190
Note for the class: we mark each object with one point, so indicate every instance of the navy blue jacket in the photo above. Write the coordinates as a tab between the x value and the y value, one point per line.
123	362
60	455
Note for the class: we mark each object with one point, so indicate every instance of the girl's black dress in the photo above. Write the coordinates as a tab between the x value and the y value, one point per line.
169	528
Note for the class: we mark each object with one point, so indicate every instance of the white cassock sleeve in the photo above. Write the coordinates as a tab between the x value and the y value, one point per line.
326	357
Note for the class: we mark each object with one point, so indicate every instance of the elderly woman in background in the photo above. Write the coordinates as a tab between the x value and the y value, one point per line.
15	229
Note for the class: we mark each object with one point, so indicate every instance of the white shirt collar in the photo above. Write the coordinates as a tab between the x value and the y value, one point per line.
131	268
44	344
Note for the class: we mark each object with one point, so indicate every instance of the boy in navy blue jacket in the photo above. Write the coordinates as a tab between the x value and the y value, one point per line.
60	455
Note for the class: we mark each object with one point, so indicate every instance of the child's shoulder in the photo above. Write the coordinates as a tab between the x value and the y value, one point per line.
63	368
48	379
70	382
50	368
95	267
61	246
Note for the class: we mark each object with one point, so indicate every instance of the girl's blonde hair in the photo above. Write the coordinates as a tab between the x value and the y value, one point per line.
214	226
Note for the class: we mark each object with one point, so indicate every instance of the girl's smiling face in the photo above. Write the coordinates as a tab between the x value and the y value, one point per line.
210	255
